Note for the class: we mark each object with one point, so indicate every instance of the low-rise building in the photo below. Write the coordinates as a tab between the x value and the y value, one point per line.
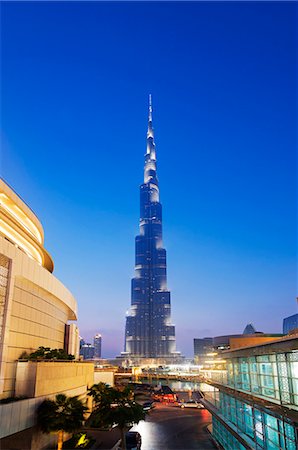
207	351
254	399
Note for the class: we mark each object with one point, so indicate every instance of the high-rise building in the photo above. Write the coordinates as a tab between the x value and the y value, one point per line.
97	346
202	347
87	351
149	332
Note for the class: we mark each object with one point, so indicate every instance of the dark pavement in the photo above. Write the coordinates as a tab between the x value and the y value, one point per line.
171	428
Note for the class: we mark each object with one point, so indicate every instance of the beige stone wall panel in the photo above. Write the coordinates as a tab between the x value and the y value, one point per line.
50	378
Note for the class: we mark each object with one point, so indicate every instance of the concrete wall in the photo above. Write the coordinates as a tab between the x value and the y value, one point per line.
104	376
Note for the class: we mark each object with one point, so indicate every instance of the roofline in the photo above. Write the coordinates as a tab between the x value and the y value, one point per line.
285	344
21	198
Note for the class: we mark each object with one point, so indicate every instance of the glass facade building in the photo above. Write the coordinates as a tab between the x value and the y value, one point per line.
290	323
149	332
254	402
97	346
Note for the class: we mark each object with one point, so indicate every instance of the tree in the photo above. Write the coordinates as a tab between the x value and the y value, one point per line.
64	414
114	407
103	395
43	353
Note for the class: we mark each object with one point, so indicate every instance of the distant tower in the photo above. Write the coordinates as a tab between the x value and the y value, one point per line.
97	346
149	331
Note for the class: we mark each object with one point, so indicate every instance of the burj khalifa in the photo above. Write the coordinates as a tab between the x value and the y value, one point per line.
149	332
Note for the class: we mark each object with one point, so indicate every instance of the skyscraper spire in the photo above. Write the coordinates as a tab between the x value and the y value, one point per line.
150	133
150	108
150	157
149	332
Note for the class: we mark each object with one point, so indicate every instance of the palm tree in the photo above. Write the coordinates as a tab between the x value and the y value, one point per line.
114	407
103	395
64	414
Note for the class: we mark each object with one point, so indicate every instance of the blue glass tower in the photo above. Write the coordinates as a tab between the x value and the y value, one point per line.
149	332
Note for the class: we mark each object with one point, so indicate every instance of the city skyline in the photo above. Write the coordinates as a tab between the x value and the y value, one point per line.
223	82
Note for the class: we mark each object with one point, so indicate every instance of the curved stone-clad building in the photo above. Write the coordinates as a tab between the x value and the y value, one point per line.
34	305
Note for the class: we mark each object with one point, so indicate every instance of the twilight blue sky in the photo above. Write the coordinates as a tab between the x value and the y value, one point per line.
75	85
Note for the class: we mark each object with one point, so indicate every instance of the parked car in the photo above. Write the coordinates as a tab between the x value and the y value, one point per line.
147	406
191	404
133	440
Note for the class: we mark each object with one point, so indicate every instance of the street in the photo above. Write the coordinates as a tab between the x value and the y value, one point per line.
171	428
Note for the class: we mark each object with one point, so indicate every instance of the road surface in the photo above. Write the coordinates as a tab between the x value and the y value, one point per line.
172	428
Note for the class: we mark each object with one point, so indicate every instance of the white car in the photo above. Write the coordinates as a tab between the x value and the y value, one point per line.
191	404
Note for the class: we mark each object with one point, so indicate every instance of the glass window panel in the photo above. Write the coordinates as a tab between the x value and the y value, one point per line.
289	431
263	358
254	367
260	439
283	379
266	369
271	422
230	374
272	446
233	411
244	366
245	381
294	373
272	435
237	376
267	383
282	443
258	426
290	445
240	414
255	385
258	415
248	421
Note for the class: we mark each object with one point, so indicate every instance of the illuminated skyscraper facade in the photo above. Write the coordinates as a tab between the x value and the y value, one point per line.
149	332
97	346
